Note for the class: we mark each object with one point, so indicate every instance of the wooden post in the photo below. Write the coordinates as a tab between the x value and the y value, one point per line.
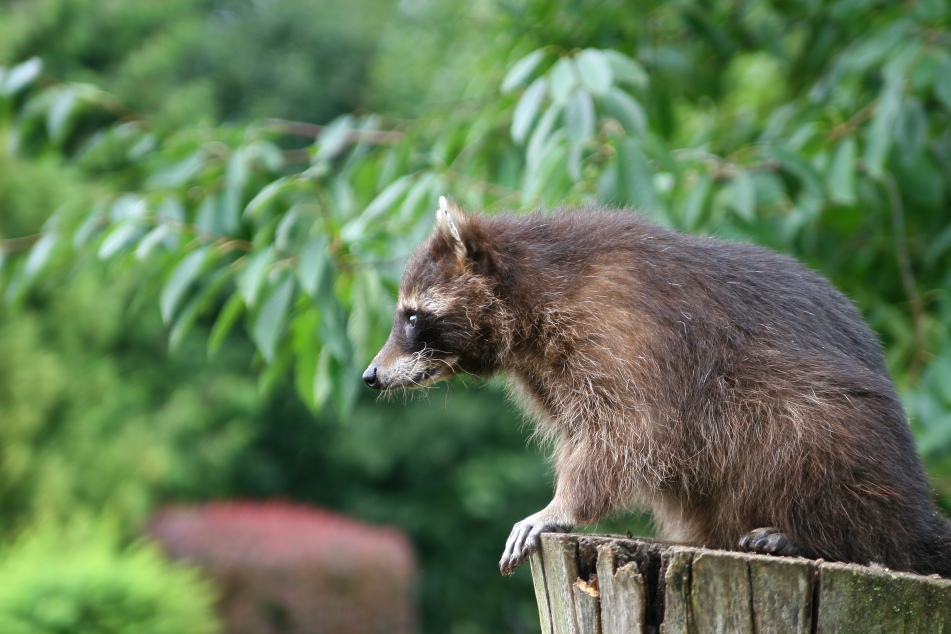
596	584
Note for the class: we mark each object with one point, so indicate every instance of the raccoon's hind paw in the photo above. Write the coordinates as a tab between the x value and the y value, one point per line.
525	539
769	541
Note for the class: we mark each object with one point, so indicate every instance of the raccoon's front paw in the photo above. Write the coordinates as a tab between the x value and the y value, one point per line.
769	541
525	539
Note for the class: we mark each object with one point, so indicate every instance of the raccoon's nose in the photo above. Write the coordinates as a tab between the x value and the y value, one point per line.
369	377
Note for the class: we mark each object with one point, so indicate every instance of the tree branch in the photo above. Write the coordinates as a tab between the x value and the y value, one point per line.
313	131
20	244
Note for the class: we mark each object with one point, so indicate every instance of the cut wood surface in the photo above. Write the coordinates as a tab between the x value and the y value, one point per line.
597	584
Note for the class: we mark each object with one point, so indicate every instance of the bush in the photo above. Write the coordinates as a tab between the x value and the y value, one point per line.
81	581
288	568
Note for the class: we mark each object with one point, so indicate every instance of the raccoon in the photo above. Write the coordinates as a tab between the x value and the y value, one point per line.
727	389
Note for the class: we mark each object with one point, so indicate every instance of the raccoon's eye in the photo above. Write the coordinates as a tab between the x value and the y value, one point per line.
412	321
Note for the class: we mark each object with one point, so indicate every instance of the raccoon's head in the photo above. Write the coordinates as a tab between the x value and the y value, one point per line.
448	317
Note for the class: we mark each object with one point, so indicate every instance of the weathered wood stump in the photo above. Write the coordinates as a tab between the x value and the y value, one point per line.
595	584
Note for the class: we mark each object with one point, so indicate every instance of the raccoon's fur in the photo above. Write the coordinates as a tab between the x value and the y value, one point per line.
728	389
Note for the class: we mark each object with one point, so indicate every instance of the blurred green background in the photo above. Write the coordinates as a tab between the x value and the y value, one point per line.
205	206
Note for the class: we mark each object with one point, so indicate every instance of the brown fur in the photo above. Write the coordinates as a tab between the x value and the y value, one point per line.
722	386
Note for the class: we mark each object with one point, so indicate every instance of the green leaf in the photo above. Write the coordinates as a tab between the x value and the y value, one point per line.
359	320
364	319
875	47
879	138
635	182
306	348
122	235
236	179
347	383
21	76
268	193
422	190
59	115
332	327
145	145
323	378
579	118
697	201
564	79
841	181
171	210
911	130
310	263
208	218
521	70
183	322
537	143
334	138
942	81
39	254
550	178
574	162
151	240
269	320
796	165
385	200
128	207
356	229
939	371
253	274
96	220
179	281
188	315
743	196
595	70
224	323
626	70
177	174
526	108
265	154
289	228
622	107
274	374
939	245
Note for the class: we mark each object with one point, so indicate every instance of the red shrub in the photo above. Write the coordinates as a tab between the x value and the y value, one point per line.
289	569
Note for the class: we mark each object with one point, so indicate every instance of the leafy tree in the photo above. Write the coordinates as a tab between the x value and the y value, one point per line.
821	129
96	416
710	120
188	61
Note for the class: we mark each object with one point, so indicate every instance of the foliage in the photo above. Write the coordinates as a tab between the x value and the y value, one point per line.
185	61
78	434
78	580
296	569
820	129
736	128
95	414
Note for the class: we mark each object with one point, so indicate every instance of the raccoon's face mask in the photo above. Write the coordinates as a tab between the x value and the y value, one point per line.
412	356
433	328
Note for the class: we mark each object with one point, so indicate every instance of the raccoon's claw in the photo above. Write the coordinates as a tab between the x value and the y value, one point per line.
525	539
769	541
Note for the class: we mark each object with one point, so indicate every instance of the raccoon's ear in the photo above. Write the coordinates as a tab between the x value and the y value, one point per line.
450	223
464	238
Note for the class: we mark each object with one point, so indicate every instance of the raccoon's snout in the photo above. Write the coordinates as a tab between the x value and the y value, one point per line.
370	378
